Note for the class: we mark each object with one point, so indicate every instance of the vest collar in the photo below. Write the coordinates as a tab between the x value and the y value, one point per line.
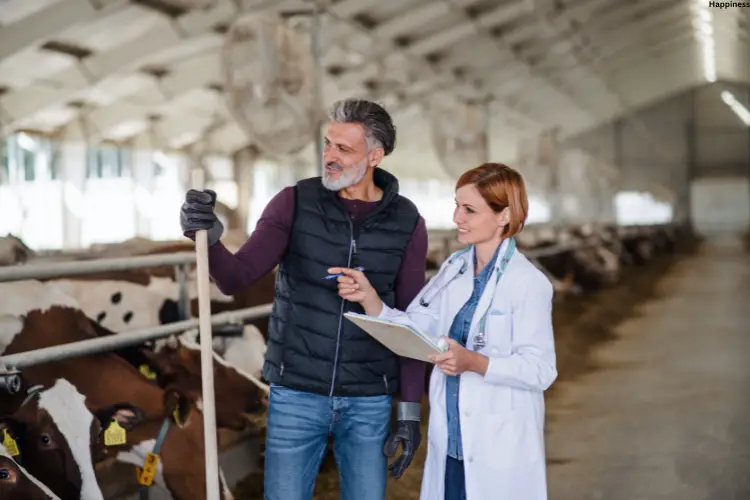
382	179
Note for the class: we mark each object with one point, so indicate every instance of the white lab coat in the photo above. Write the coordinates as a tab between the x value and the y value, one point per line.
502	413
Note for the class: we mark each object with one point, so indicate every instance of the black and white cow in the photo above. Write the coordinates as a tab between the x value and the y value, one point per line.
54	431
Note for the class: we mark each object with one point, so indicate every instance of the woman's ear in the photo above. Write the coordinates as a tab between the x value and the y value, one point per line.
503	217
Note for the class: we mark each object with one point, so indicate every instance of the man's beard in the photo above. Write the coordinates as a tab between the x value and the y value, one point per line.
347	178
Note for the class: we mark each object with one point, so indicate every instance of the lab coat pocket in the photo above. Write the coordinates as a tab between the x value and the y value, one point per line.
499	334
508	442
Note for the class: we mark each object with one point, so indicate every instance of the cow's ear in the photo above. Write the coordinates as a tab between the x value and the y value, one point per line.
178	404
127	415
12	432
158	362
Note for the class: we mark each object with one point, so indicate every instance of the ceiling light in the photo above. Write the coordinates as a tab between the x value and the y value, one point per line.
706	39
736	106
26	142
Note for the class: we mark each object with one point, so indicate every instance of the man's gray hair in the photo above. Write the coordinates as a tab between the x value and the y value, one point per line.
379	128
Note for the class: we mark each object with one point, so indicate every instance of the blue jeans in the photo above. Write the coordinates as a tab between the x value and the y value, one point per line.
455	481
299	424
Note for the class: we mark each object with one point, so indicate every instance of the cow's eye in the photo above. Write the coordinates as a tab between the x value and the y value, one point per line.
46	440
4	474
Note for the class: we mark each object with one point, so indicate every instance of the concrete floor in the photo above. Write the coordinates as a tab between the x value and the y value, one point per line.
667	415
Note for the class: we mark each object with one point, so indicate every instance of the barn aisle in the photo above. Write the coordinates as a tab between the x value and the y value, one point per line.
667	413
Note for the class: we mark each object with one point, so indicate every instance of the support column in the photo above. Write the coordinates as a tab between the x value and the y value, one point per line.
73	166
548	153
302	170
608	190
692	165
143	178
244	170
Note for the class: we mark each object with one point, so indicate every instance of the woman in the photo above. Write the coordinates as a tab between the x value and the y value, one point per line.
486	426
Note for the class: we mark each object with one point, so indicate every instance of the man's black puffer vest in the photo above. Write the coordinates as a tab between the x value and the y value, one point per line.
311	346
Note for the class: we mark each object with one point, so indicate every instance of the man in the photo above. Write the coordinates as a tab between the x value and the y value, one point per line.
328	376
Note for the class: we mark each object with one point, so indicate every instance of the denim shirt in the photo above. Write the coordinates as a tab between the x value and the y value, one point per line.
460	333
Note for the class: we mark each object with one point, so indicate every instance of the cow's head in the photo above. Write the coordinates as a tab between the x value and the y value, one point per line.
178	363
17	484
54	433
13	250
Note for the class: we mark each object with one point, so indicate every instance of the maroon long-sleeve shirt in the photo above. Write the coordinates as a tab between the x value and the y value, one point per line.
265	248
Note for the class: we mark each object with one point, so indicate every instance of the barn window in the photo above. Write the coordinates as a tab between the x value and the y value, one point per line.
4	162
108	162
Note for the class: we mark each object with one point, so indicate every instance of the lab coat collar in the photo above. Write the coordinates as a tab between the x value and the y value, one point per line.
485	301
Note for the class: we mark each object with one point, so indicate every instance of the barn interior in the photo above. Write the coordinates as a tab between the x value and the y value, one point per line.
628	120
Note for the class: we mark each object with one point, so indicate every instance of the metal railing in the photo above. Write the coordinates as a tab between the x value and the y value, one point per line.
92	266
182	261
124	339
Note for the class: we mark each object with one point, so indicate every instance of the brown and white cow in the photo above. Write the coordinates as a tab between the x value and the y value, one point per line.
17	484
118	306
35	316
239	396
54	431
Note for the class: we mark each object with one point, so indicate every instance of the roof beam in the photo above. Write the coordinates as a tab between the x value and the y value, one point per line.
620	60
465	28
26	102
190	76
349	8
418	16
642	44
609	34
480	27
431	70
49	21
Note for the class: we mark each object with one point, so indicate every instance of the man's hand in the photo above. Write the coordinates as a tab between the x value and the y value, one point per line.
197	212
408	434
459	359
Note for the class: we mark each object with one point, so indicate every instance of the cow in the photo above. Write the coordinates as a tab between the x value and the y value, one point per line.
121	305
14	251
116	306
35	315
53	433
114	298
17	484
239	396
585	268
239	391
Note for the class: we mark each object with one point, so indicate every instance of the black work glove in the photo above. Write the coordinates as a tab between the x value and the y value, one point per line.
197	212
408	433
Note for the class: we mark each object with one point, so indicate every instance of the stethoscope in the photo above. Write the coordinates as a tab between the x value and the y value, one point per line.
480	338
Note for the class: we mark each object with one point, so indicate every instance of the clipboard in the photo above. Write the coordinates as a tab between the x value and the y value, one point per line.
402	340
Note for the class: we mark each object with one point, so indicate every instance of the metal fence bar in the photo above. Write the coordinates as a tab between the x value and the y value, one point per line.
80	267
124	339
113	342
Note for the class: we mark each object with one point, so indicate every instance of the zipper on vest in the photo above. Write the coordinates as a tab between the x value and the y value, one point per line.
385	381
281	372
352	249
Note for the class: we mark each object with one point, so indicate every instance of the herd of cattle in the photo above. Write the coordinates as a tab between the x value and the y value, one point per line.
142	405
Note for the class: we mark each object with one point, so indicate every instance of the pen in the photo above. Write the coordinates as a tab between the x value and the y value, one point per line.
331	276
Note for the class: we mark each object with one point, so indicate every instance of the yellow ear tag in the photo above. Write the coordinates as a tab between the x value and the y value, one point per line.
114	435
147	372
146	476
176	417
10	444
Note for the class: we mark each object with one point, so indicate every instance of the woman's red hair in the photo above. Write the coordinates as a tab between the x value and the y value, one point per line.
501	187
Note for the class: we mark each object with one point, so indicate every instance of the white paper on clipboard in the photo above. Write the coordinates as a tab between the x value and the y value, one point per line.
403	340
